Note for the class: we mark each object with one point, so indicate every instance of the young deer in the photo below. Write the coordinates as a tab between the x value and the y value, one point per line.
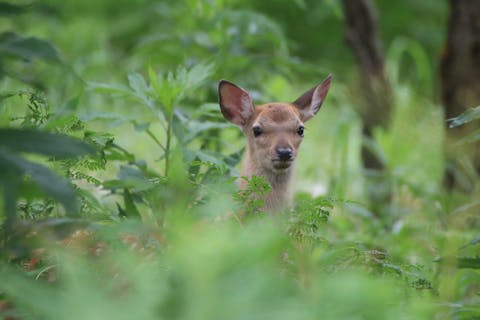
274	132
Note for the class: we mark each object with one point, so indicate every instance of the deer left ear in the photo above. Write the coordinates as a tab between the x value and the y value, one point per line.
310	102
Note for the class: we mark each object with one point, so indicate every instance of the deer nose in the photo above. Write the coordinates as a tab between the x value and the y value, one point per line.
284	153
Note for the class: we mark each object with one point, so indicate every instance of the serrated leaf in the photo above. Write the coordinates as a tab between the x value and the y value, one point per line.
139	86
468	116
196	75
30	48
153	79
99	139
55	186
49	144
174	86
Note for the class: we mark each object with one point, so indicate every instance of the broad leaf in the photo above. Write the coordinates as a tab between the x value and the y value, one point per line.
130	207
30	48
53	185
49	144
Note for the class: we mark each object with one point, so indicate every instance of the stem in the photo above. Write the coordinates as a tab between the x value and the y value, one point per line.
151	135
168	144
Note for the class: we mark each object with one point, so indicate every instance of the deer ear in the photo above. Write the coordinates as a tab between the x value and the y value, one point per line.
235	103
310	102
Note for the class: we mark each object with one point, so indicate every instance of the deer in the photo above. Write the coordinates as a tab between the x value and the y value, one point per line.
274	132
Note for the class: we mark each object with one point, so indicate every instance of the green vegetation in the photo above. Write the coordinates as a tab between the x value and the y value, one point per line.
118	172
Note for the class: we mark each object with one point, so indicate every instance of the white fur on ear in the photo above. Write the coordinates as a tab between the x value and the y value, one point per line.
236	104
310	102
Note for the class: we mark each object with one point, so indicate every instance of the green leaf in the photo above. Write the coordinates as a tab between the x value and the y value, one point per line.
469	262
50	183
130	207
196	75
8	9
174	86
140	88
109	88
131	178
153	79
49	144
30	48
207	109
141	127
202	155
195	128
468	116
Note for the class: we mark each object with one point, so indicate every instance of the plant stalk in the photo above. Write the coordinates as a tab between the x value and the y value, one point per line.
168	144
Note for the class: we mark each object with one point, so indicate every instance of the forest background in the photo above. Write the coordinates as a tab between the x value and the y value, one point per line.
118	172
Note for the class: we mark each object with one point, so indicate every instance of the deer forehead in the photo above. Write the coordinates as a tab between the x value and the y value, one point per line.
281	115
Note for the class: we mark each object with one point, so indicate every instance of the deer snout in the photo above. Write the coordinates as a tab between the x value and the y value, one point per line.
284	154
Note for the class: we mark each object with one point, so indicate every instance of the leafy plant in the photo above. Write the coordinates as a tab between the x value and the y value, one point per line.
22	49
251	198
308	216
14	167
155	238
160	96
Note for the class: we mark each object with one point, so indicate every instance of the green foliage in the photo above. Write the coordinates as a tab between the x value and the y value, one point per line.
14	142
16	48
251	198
308	216
7	8
31	48
468	116
159	231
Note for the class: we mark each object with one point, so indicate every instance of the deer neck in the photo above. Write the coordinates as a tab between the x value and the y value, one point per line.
280	196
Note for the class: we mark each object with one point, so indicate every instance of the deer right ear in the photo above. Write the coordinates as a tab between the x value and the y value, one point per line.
310	102
235	103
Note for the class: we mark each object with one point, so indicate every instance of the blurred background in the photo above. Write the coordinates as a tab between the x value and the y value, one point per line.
387	177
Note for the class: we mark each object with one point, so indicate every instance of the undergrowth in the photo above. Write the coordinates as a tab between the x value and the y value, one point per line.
119	189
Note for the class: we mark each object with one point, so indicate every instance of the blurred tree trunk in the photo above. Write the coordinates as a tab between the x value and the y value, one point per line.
460	77
362	37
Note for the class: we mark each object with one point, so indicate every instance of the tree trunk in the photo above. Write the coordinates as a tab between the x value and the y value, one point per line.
362	37
460	77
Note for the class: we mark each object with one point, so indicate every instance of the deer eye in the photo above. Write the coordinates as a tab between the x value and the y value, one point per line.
300	131
257	131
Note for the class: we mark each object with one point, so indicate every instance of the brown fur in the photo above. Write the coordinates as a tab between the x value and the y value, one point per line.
279	124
